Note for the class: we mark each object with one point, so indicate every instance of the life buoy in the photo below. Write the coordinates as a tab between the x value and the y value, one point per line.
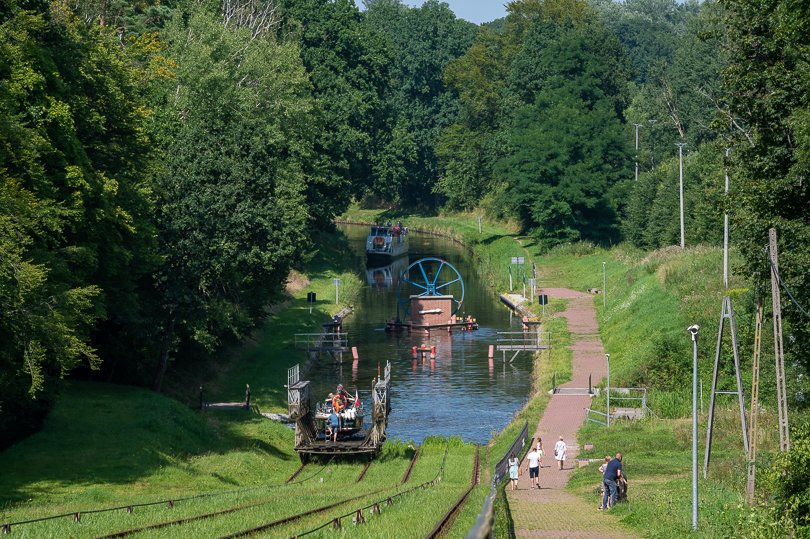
379	241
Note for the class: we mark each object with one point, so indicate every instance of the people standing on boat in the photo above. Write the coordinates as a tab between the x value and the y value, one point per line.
333	426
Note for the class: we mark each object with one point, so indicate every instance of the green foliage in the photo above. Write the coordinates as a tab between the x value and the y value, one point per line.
232	218
350	67
788	481
75	237
567	150
769	95
423	41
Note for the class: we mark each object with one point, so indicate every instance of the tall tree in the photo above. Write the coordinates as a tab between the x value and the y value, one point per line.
75	235
424	40
235	131
349	64
768	85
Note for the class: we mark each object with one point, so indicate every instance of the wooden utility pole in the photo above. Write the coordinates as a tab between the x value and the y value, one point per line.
779	353
752	437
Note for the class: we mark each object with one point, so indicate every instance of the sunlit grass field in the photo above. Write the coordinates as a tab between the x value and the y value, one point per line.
106	446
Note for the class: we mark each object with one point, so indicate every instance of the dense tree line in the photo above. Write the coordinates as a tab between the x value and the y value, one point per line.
163	163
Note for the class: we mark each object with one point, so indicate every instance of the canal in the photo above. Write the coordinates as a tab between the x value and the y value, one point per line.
462	392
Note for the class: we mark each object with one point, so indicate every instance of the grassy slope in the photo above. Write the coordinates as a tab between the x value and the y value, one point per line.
651	299
143	455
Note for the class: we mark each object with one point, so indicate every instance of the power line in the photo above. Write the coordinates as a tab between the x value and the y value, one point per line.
785	287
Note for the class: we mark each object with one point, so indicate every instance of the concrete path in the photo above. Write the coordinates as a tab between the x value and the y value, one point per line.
551	511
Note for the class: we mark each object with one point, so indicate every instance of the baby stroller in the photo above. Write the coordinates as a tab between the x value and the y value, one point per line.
621	489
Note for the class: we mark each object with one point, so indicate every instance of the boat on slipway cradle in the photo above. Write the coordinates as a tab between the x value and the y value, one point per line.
386	243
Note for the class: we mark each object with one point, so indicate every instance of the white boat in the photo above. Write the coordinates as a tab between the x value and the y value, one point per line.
386	277
385	243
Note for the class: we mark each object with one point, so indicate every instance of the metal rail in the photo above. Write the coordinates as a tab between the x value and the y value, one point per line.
296	473
444	524
357	514
363	471
407	474
205	516
485	523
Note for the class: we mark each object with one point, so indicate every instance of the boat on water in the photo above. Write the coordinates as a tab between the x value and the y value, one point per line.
385	243
349	410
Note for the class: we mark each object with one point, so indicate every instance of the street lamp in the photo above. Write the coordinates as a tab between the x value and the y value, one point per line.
652	139
607	357
637	126
693	331
680	146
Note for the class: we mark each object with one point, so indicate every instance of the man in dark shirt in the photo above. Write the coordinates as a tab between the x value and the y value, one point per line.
613	472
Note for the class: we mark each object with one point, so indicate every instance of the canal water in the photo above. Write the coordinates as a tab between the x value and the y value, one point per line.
461	393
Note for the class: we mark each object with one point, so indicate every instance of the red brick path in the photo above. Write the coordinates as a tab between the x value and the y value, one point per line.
551	511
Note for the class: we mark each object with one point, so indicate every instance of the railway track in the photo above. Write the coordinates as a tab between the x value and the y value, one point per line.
270	525
444	524
357	513
363	472
213	514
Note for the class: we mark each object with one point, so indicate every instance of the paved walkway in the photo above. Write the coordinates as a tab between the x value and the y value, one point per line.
552	511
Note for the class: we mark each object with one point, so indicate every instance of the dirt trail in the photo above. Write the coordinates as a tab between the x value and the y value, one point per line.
552	511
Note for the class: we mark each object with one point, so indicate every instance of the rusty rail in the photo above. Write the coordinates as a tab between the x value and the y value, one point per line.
444	524
410	468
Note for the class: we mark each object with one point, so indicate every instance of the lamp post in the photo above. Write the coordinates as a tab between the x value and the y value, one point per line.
637	126
604	285
693	331
652	140
725	229
607	357
680	146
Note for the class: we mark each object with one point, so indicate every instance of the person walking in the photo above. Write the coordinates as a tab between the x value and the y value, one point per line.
603	488
540	450
613	471
559	451
533	463
514	468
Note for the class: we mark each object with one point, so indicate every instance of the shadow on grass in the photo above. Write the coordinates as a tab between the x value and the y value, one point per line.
124	441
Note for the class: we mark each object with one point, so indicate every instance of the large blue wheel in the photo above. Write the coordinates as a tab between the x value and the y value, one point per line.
430	277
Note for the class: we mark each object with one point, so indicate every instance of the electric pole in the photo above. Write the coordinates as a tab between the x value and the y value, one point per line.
680	146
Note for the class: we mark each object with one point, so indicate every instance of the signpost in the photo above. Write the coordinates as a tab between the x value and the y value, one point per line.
542	299
517	261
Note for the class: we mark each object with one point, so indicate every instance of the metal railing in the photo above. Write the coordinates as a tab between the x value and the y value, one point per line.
485	523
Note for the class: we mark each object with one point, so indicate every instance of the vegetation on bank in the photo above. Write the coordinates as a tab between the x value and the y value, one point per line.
651	298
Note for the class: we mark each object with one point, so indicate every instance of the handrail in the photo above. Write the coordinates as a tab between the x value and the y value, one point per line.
485	523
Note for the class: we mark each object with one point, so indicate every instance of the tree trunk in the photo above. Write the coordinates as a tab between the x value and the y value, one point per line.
163	365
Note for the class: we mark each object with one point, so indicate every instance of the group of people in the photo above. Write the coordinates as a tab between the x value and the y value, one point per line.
339	400
534	461
613	481
471	323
